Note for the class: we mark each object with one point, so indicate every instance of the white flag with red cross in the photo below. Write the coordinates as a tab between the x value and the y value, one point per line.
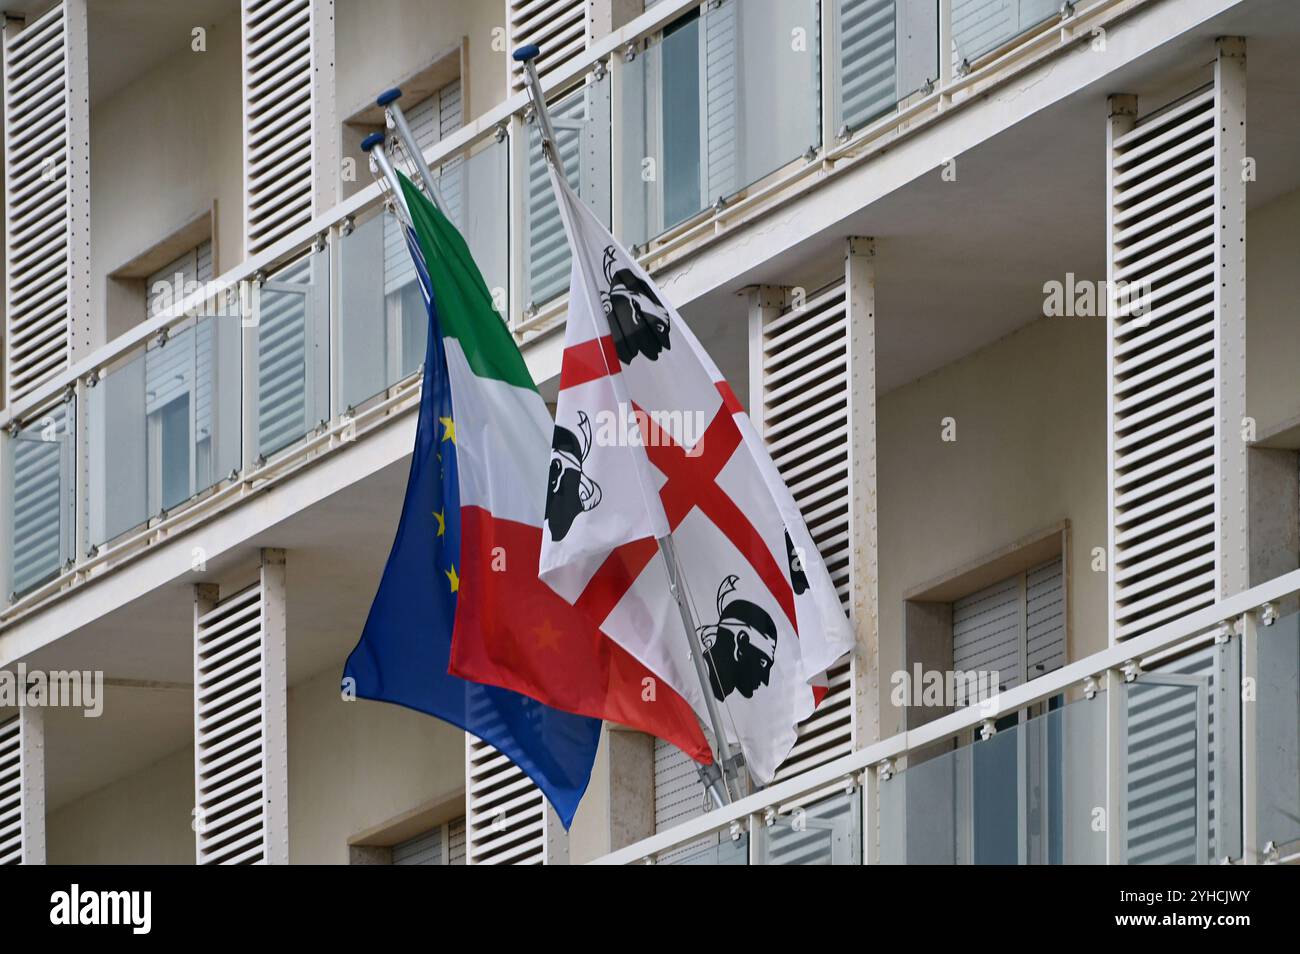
650	439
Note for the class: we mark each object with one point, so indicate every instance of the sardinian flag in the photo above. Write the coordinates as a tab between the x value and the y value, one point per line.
650	439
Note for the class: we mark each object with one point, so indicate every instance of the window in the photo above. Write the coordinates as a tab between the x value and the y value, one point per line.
441	845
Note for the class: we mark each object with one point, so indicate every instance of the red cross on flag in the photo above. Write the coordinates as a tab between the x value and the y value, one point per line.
649	439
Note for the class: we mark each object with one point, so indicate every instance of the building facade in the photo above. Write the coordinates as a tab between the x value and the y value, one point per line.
978	268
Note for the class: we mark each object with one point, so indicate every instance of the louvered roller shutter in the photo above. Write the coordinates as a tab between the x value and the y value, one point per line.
867	51
43	492
441	845
280	135
1164	379
423	849
1045	618
46	179
721	101
1015	627
804	420
505	813
680	797
11	793
240	761
580	120
291	380
560	28
987	631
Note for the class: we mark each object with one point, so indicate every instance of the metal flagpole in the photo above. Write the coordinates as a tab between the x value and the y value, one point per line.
373	146
387	100
716	777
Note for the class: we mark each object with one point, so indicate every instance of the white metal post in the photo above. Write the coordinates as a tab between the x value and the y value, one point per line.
275	707
945	53
1116	746
864	565
1250	846
1122	118
1230	309
82	339
830	72
31	741
205	600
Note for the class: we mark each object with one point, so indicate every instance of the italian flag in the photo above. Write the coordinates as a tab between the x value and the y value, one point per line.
511	629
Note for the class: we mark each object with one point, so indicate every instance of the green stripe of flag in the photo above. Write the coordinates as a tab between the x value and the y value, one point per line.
463	301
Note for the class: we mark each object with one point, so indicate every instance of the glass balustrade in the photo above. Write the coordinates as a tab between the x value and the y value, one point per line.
40	480
1030	794
885	50
825	831
291	345
1180	762
163	423
582	130
721	99
382	320
981	26
1277	732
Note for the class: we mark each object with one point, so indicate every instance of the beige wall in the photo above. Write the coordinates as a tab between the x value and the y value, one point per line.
1030	451
377	44
162	149
353	767
144	818
1273	313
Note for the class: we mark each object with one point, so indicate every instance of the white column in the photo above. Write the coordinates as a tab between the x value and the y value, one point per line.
1230	309
864	573
275	706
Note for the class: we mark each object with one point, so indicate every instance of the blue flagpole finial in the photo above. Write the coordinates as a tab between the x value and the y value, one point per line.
388	96
371	141
526	53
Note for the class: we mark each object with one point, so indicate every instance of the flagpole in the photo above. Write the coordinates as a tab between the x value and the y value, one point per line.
387	100
373	146
716	777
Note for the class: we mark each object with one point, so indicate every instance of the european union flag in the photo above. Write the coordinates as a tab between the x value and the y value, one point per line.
404	650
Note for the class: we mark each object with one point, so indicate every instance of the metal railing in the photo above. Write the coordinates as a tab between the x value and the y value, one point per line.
173	420
1180	745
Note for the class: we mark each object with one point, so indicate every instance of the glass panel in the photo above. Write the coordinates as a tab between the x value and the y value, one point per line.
716	849
41	468
695	109
980	26
382	321
116	432
164	424
1166	769
825	832
1028	795
1278	732
581	121
886	50
292	353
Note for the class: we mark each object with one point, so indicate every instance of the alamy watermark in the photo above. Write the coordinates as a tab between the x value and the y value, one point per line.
56	689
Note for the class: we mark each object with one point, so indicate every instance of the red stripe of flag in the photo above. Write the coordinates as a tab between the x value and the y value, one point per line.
588	361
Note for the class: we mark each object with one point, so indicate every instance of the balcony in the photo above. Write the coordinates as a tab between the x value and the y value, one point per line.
239	381
1144	753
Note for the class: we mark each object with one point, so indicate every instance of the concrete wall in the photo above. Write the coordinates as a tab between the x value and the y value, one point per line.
144	188
1030	414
